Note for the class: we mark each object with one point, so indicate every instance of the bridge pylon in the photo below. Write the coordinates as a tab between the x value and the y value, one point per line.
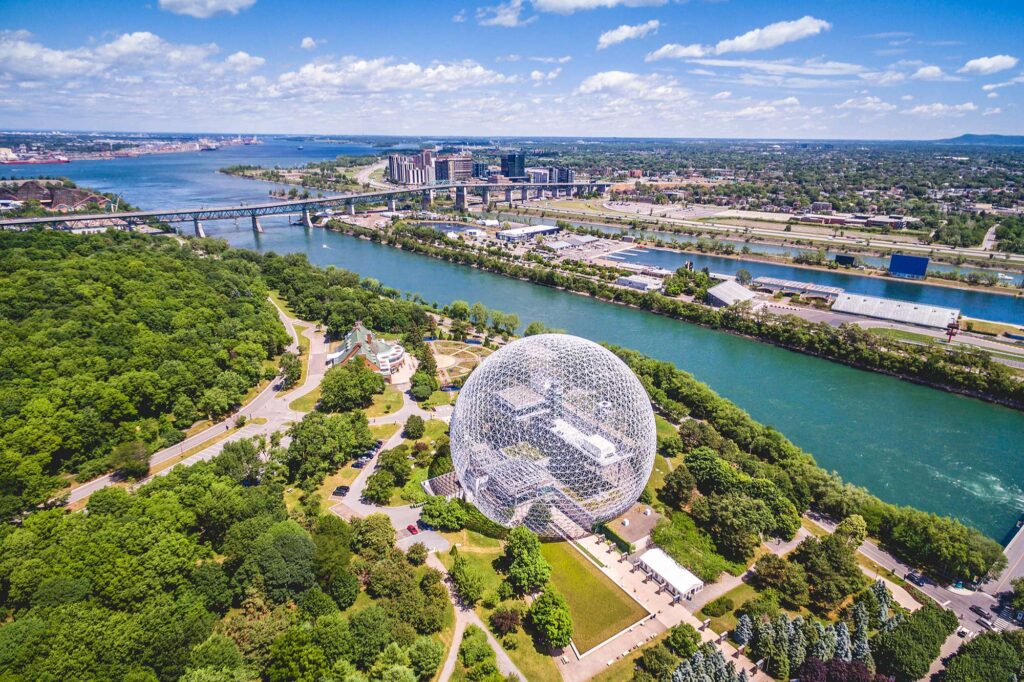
200	232
256	227
307	222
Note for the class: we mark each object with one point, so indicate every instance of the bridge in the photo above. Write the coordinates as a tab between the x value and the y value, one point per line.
131	220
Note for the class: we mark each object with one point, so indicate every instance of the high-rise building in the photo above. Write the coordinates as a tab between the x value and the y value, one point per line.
556	174
538	175
454	167
513	165
416	169
481	170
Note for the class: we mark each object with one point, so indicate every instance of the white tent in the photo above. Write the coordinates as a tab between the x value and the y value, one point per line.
666	571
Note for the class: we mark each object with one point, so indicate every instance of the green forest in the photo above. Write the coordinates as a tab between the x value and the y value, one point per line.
117	338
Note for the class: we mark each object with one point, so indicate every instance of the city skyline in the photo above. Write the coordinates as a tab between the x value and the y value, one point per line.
589	68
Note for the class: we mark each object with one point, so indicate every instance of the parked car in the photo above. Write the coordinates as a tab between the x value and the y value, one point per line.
986	623
341	491
413	530
980	610
359	463
916	578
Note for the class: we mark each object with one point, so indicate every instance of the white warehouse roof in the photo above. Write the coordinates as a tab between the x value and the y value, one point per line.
665	566
898	311
528	230
730	292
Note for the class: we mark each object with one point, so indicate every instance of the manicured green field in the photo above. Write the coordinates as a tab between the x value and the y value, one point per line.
599	607
385	403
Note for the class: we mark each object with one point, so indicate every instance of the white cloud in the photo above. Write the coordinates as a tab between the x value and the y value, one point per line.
21	58
627	32
938	109
887	77
505	14
383	74
1005	84
552	60
758	111
811	67
866	104
772	35
786	102
993	95
459	16
570	6
632	85
724	94
929	73
308	43
907	98
988	65
992	111
204	9
538	76
243	62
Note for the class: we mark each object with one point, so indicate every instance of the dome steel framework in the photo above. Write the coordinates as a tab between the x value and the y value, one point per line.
554	432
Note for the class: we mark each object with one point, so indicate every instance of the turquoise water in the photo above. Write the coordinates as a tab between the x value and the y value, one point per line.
907	444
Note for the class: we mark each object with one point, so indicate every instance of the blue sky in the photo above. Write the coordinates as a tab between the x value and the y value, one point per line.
829	69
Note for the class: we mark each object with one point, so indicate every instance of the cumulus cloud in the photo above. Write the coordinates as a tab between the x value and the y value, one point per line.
308	43
243	62
570	6
632	85
866	104
765	38
984	66
627	32
724	94
930	73
383	74
938	110
506	14
459	16
204	9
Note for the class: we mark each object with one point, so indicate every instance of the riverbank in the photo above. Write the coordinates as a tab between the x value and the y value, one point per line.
971	374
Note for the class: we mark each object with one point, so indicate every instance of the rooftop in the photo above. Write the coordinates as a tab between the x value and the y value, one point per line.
896	310
670	571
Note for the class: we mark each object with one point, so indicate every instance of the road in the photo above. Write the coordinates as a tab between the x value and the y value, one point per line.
363	177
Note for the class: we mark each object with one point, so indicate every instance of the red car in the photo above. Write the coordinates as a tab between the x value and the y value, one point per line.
413	530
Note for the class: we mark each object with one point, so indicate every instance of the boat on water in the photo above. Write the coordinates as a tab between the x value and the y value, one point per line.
300	147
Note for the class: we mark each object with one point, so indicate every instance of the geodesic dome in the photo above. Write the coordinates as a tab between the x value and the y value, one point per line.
554	432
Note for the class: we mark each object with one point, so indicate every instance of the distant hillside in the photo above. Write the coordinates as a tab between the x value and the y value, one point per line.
995	140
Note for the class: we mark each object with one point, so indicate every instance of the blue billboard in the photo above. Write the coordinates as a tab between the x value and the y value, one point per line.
902	265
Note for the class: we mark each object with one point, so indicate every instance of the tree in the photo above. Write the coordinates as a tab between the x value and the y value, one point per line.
506	619
526	568
343	588
683	640
906	652
348	387
291	370
1017	599
321	443
678	487
396	462
743	276
371	633
425	656
131	459
218	652
416	554
379	487
478	315
468	583
744	630
786	577
373	536
658	662
414	427
442	514
422	386
550	615
294	658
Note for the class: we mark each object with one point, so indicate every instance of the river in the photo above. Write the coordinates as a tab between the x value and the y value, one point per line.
907	444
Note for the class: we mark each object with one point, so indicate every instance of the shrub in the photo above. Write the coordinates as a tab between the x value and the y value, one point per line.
719	607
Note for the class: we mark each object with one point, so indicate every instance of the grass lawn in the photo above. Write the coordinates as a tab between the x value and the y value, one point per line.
664	426
903	335
304	355
343	476
471	541
383	431
599	607
280	303
412	491
622	670
306	403
432	430
439	398
385	403
661	468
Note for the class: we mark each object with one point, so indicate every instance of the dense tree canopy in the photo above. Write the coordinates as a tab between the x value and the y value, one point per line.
114	338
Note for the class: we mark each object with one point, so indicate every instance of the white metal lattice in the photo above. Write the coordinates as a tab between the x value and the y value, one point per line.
555	432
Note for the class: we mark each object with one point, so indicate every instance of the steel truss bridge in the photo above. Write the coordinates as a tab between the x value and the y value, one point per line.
130	220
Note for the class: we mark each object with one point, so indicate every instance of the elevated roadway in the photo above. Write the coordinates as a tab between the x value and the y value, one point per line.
507	191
